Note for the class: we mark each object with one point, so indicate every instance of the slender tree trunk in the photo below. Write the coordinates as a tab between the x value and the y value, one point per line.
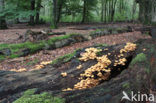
32	8
105	11
102	10
84	11
55	14
38	11
59	12
3	24
113	9
133	10
110	10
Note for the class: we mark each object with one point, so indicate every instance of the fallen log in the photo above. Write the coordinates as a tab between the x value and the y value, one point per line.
57	33
73	74
66	79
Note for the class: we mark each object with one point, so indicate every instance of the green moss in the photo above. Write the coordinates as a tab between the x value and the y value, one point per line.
2	57
34	47
30	97
97	30
14	56
52	40
102	45
139	58
126	85
64	59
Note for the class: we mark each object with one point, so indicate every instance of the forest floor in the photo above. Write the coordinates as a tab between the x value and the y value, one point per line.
11	35
131	65
31	61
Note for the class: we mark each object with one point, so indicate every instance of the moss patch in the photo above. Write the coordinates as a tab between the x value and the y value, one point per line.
30	97
64	59
102	45
139	58
34	47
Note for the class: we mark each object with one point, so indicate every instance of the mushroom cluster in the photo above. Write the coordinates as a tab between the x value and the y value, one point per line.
100	71
79	67
90	54
121	61
99	68
64	74
129	47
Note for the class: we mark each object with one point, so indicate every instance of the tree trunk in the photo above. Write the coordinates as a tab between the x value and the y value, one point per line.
3	24
38	11
59	11
146	10
113	9
133	10
154	11
84	11
105	11
102	10
55	14
32	9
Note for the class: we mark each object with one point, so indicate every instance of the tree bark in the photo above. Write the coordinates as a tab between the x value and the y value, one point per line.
113	9
105	11
84	11
146	10
55	14
38	11
102	10
3	24
32	22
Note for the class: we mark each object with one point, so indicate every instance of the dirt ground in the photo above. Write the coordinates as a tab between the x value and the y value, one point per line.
11	35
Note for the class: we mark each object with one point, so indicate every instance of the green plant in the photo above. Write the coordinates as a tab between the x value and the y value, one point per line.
139	58
29	96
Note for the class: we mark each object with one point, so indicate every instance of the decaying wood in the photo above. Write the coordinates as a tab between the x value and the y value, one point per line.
49	78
